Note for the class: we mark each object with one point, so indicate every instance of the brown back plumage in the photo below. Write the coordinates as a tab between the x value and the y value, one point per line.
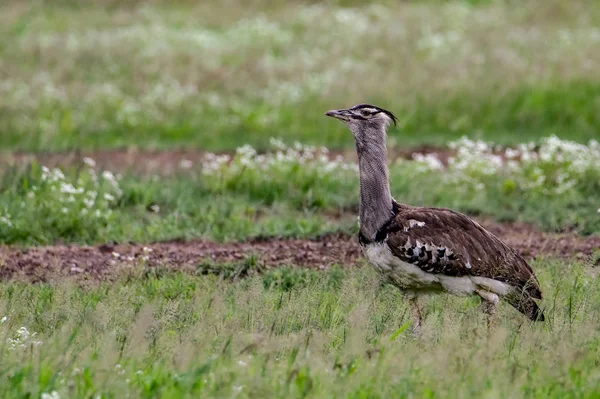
442	241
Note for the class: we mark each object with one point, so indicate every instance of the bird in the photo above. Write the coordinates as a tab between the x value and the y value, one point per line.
424	250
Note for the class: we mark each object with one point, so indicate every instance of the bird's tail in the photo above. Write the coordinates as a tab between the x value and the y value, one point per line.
526	305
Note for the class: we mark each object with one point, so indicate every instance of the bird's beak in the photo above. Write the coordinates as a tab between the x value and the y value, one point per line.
341	114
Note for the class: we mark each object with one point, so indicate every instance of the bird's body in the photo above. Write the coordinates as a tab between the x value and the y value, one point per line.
430	250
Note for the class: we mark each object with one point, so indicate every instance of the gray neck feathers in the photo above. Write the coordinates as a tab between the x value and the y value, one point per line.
375	197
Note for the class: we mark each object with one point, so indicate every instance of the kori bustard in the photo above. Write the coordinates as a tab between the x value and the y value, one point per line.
423	250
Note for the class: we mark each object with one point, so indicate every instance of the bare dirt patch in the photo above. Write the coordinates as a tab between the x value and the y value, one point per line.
168	162
106	262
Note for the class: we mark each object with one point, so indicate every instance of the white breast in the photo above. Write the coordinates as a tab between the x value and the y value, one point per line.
411	277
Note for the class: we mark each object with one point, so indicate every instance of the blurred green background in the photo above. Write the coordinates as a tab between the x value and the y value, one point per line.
218	74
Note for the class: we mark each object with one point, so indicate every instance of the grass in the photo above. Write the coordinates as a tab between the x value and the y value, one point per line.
214	75
286	193
293	334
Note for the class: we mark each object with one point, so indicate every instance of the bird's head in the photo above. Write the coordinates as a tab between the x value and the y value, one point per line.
363	118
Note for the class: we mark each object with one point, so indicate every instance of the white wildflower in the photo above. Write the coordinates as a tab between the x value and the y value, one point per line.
185	164
277	143
108	175
429	161
51	395
109	197
3	320
22	339
89	162
6	220
511	153
154	208
238	388
68	188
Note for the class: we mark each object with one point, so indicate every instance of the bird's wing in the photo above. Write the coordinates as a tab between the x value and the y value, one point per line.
442	241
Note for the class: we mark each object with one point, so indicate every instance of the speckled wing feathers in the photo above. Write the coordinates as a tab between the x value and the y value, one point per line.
442	241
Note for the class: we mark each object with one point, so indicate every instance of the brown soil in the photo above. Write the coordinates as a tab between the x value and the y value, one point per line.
106	262
165	162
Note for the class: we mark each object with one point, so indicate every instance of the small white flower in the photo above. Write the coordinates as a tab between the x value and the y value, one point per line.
68	188
6	220
51	395
155	208
89	162
3	320
88	202
109	197
238	388
147	250
185	164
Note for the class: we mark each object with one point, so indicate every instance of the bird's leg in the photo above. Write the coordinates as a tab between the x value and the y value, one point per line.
416	314
489	305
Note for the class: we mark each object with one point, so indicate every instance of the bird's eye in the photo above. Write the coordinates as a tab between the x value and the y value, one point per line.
365	112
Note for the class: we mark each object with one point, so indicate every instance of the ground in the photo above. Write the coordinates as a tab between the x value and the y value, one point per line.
179	219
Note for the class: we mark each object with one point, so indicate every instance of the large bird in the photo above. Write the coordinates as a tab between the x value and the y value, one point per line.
430	250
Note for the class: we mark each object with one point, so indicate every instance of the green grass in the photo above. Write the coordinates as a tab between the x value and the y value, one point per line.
183	207
217	74
334	334
291	197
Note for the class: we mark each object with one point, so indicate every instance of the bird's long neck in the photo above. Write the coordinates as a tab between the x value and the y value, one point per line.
375	196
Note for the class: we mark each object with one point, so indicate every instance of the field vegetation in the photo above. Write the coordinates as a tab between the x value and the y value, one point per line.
217	75
290	333
500	102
